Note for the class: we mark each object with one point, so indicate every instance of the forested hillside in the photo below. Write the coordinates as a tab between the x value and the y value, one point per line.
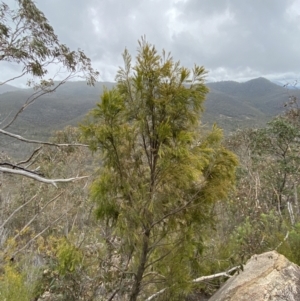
231	105
147	195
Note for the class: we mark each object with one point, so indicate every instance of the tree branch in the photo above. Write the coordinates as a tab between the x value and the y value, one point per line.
224	274
39	178
33	97
38	141
200	279
285	238
11	79
14	212
36	215
39	234
175	211
16	167
152	297
31	156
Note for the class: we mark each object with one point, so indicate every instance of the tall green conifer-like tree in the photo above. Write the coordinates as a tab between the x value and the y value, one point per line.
159	173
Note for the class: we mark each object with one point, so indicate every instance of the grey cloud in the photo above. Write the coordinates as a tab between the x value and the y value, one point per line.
231	38
104	28
258	34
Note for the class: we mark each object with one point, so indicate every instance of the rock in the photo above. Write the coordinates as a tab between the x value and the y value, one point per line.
266	277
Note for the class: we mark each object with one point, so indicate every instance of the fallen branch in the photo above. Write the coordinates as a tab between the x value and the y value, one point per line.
39	178
224	274
200	279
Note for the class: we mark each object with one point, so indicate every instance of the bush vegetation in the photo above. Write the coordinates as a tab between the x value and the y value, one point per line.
166	200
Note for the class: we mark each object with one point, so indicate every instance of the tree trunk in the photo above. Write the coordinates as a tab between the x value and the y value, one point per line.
141	269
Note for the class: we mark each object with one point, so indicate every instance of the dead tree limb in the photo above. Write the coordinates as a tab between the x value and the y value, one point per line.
38	141
39	178
200	279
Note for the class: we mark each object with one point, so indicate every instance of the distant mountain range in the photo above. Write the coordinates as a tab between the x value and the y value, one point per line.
248	104
7	88
230	104
291	85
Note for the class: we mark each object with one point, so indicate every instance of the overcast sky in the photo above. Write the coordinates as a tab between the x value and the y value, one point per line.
232	39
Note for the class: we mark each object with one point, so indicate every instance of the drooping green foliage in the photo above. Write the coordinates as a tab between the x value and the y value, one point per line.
159	172
28	39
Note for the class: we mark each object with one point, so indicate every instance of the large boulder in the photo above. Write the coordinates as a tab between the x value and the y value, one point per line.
266	277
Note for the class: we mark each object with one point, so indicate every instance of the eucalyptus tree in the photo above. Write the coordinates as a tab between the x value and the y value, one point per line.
277	145
29	44
266	207
160	172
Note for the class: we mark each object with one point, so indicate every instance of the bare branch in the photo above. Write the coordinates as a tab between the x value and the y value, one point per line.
13	166
15	211
113	294
200	279
13	78
285	238
33	97
222	274
31	156
38	141
152	297
36	215
39	178
39	234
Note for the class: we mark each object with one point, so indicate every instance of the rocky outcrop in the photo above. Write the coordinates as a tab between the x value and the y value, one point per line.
266	277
